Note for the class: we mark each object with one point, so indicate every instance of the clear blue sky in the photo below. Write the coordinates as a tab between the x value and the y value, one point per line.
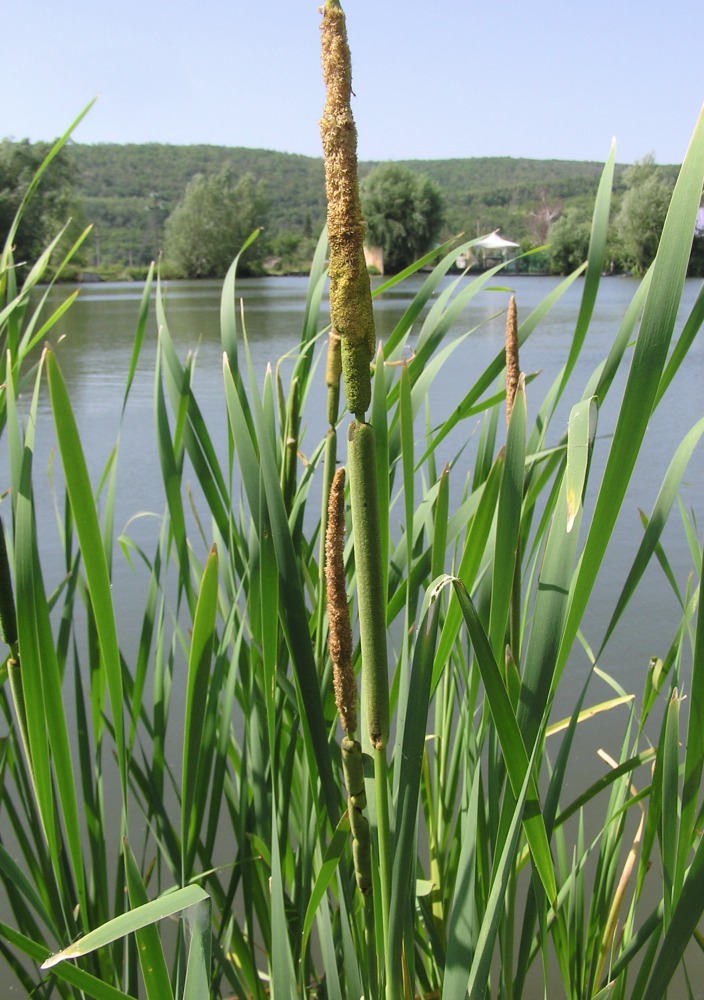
549	78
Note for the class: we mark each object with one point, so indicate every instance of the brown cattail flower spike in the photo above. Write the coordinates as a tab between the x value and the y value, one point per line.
340	646
512	367
340	630
350	292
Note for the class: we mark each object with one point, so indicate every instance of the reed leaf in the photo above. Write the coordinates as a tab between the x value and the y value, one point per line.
412	722
151	955
514	750
197	687
90	985
656	523
292	604
640	393
89	538
197	980
168	904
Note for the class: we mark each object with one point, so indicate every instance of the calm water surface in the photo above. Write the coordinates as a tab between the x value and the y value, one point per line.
94	352
97	342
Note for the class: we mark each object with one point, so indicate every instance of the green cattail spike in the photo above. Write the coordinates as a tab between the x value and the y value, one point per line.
353	770
350	292
512	368
333	370
361	855
340	630
370	597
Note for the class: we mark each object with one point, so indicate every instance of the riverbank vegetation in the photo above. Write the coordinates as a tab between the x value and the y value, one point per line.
129	193
328	728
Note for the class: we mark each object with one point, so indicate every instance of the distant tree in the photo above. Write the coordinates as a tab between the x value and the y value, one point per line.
51	205
642	215
569	241
540	219
404	213
208	227
291	252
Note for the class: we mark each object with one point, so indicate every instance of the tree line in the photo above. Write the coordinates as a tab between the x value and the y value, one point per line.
194	206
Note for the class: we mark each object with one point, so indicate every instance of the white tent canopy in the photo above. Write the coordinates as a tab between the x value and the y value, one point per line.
490	247
495	242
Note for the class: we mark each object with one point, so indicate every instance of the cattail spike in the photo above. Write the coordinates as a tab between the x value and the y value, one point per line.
353	770
340	630
333	370
512	366
350	291
366	524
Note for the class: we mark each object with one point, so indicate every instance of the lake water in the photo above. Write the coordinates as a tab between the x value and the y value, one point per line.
94	352
94	356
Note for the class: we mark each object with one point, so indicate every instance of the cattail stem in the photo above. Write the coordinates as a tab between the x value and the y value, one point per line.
381	792
370	941
290	456
513	380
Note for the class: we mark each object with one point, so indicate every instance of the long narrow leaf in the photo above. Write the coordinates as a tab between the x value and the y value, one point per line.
199	664
90	541
166	905
512	744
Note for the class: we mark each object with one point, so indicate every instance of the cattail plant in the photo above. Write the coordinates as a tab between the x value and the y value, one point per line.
514	381
353	322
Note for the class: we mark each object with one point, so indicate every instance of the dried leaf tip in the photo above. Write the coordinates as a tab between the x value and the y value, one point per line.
340	630
512	366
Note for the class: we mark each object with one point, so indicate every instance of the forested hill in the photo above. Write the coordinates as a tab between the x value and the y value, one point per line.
128	191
